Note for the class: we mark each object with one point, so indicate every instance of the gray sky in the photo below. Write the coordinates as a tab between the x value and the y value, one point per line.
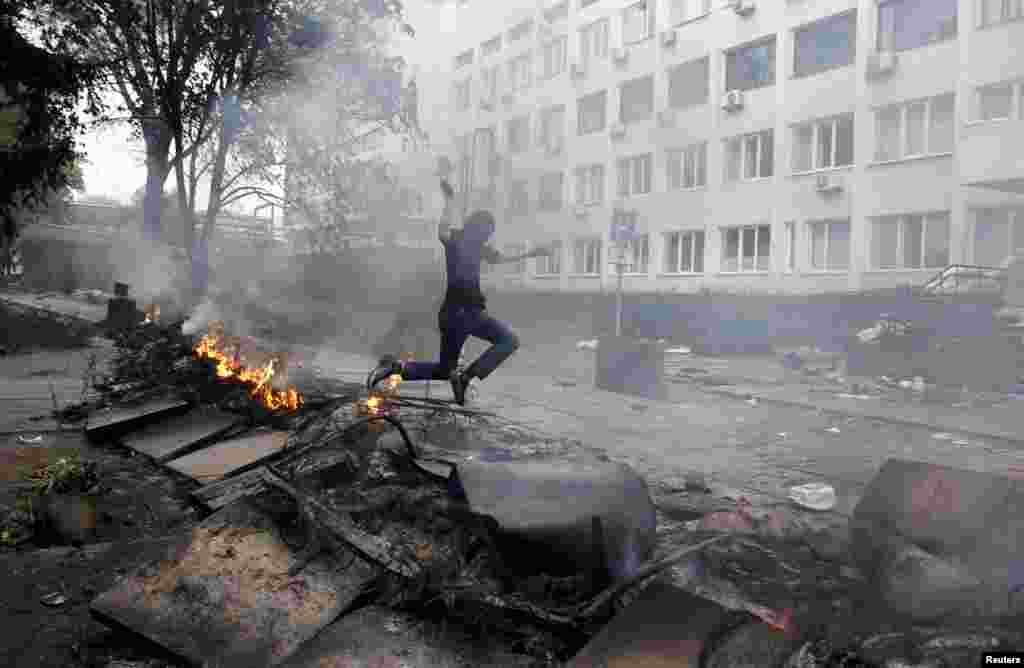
116	168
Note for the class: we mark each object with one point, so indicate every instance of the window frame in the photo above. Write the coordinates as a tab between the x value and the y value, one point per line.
488	48
648	21
1012	222
881	37
982	22
1016	101
673	15
580	132
634	173
705	62
828	223
739	230
587	38
790	265
926	133
548	266
592	173
676	269
547	130
926	223
520	73
699	152
590	243
550	73
816	126
647	79
524	121
514	206
796	32
742	139
464	94
637	249
770	40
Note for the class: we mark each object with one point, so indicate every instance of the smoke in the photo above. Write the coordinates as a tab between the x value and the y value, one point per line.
200	320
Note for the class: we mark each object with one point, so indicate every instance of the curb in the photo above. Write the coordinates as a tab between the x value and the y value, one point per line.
44	311
888	419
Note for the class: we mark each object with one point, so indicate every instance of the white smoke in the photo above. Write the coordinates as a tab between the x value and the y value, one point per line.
200	320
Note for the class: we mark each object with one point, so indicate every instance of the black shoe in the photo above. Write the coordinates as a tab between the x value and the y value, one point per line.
387	367
460	383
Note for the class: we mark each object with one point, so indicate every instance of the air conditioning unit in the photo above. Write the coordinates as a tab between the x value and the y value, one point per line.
618	131
620	55
733	100
667	118
881	64
668	38
581	211
827	185
577	71
508	98
741	7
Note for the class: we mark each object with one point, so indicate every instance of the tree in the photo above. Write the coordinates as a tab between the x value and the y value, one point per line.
39	91
185	69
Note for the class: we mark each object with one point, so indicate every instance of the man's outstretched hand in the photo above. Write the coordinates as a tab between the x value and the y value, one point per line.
447	189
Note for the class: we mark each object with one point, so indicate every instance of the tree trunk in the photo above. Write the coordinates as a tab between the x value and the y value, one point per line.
216	186
158	148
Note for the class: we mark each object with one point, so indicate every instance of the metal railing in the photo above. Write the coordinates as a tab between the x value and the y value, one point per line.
959	279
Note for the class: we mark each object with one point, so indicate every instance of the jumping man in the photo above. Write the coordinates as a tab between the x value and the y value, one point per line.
464	309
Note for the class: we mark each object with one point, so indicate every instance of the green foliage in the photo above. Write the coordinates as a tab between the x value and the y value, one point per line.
67	475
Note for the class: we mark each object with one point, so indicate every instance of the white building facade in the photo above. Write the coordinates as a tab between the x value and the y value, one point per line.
783	146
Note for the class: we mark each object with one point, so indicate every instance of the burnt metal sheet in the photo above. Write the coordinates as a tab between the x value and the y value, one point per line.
553	505
378	636
113	423
965	517
664	626
177	435
222	596
227	457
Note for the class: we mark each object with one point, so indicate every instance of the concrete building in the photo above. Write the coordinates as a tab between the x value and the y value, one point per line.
790	146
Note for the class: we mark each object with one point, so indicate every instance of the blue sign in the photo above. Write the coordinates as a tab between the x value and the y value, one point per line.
623	229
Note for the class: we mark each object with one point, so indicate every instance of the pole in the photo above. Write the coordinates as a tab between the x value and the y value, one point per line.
618	300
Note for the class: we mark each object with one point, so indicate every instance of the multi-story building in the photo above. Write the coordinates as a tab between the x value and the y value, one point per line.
783	145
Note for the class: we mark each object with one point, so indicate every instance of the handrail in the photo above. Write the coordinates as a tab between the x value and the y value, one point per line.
960	272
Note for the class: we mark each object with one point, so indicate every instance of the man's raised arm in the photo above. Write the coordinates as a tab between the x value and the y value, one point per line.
444	228
494	256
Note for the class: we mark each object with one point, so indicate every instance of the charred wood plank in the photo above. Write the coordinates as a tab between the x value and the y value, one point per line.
119	421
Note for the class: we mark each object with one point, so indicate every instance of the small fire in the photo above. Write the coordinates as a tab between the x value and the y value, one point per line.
152	313
227	353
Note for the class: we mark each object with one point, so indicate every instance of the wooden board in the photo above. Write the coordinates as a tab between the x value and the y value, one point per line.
110	423
177	435
222	596
227	457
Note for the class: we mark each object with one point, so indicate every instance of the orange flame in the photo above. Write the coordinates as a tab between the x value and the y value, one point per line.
227	355
152	313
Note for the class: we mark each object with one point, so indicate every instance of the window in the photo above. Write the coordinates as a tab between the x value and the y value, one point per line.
909	24
594	42
512	250
751	67
491	46
790	247
462	94
486	152
913	129
519	72
551	129
687	168
680	11
590	184
553	58
591	112
464	59
998	234
518	197
750	156
558	12
830	245
684	252
636	100
688	84
913	241
825	45
823	144
489	84
551	187
517	133
636	254
994	12
634	175
746	249
999	102
587	257
551	265
586	3
518	32
637	22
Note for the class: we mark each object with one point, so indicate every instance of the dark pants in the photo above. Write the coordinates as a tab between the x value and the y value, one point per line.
458	323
